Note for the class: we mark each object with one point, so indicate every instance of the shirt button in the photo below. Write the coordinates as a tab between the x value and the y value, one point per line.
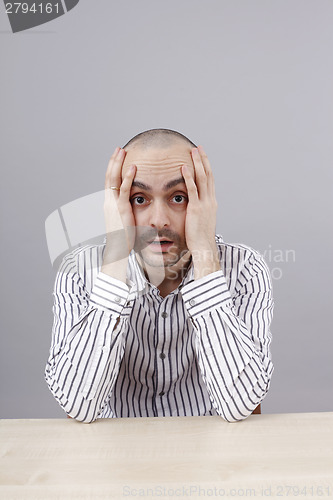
164	315
117	299
192	302
161	393
162	355
104	349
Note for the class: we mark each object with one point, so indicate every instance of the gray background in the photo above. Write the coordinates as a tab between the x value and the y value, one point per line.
250	80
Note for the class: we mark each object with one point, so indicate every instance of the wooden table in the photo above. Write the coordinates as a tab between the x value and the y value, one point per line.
265	456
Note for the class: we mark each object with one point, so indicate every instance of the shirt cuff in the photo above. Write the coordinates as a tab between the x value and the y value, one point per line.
204	294
109	293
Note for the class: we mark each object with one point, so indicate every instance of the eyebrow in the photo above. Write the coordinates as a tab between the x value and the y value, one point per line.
166	186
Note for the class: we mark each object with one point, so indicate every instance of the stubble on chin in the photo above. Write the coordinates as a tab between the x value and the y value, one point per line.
158	259
175	258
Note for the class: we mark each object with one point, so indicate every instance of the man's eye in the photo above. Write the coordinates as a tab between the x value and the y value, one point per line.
179	198
138	200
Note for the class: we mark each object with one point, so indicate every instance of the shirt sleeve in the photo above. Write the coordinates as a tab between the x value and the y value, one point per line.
87	341
233	337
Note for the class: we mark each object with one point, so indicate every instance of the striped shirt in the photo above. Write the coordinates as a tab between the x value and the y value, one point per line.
122	350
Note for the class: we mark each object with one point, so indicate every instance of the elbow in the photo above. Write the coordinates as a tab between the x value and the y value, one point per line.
231	417
234	420
239	410
82	416
84	419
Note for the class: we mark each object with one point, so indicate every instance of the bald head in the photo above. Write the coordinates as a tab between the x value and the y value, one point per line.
157	151
157	138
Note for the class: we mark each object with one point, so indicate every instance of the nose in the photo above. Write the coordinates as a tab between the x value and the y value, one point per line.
158	215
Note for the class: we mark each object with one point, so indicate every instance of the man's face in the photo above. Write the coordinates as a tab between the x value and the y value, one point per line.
159	201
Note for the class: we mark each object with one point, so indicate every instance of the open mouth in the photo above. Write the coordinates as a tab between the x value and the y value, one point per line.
160	245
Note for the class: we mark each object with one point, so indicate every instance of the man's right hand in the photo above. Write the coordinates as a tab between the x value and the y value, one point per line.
119	218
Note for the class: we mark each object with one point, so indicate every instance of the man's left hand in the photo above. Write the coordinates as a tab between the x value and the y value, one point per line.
201	214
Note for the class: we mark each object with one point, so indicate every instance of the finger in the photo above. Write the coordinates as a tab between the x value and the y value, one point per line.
109	167
191	187
200	174
124	200
205	161
208	170
113	177
125	188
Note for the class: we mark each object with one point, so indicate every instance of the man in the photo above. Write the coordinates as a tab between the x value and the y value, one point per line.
164	319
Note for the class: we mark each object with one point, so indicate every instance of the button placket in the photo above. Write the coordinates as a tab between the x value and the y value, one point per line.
162	347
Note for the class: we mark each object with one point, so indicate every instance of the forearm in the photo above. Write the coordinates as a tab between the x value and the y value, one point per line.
77	377
236	382
87	348
233	355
